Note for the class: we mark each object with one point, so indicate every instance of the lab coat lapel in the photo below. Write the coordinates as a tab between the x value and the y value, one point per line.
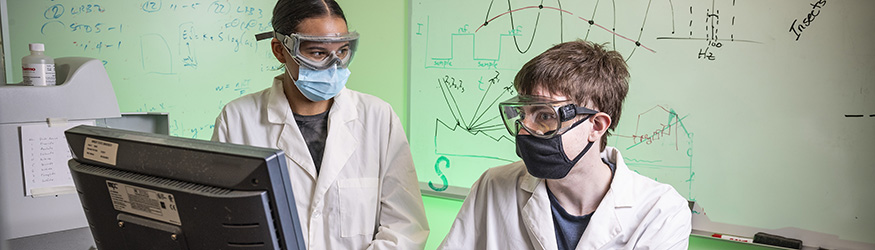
340	144
536	214
291	141
605	226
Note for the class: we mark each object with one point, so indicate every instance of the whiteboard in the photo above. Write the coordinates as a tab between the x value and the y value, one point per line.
763	112
187	58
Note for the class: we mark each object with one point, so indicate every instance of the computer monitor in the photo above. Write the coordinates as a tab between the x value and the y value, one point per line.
150	191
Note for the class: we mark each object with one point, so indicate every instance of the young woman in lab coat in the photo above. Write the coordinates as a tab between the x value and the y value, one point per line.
570	191
352	173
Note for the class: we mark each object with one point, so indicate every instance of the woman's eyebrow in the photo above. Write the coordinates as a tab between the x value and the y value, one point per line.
314	46
318	46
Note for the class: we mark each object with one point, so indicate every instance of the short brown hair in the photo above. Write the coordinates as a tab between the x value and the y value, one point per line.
583	71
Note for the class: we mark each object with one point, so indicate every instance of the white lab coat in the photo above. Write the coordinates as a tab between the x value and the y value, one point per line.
508	208
366	195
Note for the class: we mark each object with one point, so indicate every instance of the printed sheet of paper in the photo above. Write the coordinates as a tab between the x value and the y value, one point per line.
44	155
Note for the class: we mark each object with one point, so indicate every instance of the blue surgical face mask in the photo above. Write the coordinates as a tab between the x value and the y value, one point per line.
320	85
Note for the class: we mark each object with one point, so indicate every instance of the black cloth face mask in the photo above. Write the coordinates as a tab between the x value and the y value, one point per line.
545	158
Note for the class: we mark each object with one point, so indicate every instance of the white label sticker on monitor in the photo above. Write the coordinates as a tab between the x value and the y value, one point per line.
100	151
144	202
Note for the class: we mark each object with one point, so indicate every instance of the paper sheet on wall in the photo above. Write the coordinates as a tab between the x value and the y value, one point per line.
44	155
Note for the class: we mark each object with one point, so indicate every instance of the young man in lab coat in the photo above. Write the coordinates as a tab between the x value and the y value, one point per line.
570	191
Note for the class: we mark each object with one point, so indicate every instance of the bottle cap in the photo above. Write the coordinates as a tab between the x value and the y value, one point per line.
37	47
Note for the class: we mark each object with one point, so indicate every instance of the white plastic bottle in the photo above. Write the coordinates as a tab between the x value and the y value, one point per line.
37	68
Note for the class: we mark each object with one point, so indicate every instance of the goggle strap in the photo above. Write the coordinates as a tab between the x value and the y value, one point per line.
569	111
576	123
584	110
264	35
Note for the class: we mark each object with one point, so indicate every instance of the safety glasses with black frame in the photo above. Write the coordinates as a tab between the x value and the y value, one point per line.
540	116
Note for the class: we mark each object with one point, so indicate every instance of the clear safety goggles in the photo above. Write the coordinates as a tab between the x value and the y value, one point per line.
318	52
539	116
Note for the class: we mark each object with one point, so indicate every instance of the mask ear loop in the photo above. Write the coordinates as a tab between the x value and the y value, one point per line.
580	155
294	59
290	75
287	68
575	124
588	145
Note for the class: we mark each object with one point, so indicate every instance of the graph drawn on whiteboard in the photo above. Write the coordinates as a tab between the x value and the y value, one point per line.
660	146
696	66
485	40
478	127
704	27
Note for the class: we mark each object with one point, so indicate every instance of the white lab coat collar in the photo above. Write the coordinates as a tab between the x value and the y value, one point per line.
604	224
279	112
623	182
540	231
340	144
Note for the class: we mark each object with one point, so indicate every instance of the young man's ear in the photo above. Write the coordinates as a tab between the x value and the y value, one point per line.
600	124
277	47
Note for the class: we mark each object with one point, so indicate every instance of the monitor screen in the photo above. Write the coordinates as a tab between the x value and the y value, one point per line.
150	191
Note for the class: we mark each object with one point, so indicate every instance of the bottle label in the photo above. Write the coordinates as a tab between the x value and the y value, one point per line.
38	74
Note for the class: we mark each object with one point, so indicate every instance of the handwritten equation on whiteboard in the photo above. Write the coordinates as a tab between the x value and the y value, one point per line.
184	57
44	156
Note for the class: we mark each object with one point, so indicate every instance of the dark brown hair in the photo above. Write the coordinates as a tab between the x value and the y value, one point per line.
584	72
287	14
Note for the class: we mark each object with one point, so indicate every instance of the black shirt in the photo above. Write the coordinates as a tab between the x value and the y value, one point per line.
314	128
569	228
